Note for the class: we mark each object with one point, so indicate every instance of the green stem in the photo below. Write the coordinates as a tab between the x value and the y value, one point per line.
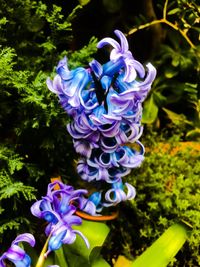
144	26
42	258
165	21
60	258
165	10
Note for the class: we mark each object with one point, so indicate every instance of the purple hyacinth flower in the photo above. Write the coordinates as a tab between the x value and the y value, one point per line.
84	147
69	84
16	254
129	133
63	233
85	134
93	170
105	103
58	208
117	194
132	66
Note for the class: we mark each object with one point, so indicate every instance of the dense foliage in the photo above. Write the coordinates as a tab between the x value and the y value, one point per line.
170	174
34	143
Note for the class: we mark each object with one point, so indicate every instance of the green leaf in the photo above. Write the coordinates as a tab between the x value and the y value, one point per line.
159	98
150	111
173	11
175	62
100	262
84	2
176	118
163	250
3	21
60	258
78	255
88	228
170	73
194	132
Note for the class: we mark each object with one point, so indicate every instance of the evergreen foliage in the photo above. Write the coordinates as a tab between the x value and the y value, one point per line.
13	192
34	142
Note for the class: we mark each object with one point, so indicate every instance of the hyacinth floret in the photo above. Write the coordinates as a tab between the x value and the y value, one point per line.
16	254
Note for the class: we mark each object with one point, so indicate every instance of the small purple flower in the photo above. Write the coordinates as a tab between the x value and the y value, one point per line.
132	66
70	88
16	254
110	165
63	233
58	208
113	196
116	194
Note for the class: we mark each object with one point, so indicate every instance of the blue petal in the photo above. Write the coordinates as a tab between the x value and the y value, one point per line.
79	80
106	82
96	68
95	198
26	262
113	67
55	241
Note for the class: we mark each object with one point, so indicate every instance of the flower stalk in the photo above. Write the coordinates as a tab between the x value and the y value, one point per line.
42	256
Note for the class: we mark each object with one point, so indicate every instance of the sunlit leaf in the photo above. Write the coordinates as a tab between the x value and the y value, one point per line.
173	11
84	2
176	118
194	132
163	250
150	111
122	262
170	73
78	255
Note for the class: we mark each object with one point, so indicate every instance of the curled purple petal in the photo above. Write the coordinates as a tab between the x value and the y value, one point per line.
108	41
123	40
29	238
15	253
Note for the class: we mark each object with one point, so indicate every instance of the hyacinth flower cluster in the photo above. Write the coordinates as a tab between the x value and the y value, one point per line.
58	209
105	104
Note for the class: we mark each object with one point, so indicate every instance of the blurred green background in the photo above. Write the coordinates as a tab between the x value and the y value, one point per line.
34	143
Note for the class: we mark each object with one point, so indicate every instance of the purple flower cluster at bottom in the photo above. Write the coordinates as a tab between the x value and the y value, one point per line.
58	208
